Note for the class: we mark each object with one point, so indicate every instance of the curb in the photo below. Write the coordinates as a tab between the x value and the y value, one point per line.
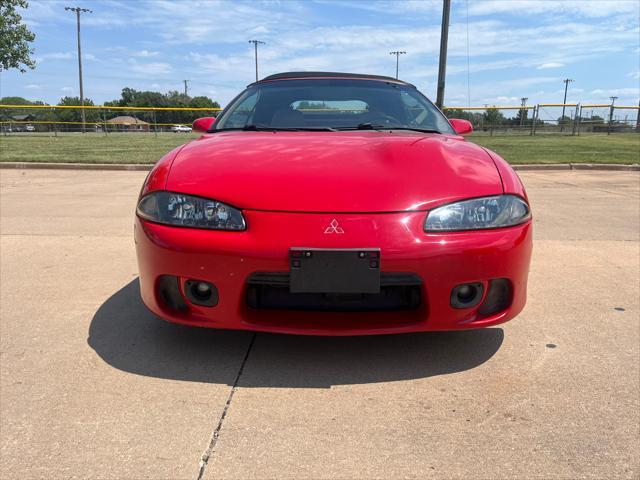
612	167
77	166
137	167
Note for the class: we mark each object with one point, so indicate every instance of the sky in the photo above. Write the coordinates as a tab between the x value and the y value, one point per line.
499	50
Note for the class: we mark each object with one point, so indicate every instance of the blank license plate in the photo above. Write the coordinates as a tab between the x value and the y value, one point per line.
315	270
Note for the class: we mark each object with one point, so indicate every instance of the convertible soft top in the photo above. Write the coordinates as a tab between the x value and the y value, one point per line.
294	75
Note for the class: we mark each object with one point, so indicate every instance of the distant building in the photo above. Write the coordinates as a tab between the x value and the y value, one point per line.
128	124
29	117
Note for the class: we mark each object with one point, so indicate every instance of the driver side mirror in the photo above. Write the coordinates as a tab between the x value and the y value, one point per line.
461	127
202	124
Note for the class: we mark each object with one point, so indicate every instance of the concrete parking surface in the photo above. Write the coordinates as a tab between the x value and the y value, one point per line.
94	386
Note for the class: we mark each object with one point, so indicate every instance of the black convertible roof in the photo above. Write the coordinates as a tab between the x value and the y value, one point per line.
293	75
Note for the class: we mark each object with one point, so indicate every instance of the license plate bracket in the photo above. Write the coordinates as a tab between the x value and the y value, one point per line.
317	270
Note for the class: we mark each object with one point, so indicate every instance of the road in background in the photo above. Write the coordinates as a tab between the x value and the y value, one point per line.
94	386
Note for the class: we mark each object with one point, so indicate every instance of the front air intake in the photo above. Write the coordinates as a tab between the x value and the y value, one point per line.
498	298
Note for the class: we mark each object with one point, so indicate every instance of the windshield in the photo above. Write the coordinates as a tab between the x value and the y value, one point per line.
332	104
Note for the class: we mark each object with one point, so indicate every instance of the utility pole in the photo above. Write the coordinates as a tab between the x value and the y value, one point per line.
186	88
444	37
255	45
613	101
638	119
397	53
524	102
79	10
566	81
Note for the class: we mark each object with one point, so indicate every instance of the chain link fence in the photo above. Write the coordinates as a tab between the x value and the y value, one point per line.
549	119
540	119
55	120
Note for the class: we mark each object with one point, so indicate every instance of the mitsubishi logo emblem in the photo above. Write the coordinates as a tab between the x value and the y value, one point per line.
334	227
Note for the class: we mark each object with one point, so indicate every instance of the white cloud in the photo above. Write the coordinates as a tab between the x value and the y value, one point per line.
56	56
586	8
150	68
514	38
547	65
33	86
146	54
619	92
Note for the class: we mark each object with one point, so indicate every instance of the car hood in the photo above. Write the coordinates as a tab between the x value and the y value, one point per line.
333	171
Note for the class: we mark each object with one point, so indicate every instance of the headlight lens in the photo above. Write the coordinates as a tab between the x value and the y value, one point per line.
187	211
478	213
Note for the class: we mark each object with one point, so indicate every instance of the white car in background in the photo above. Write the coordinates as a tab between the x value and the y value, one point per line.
30	128
180	128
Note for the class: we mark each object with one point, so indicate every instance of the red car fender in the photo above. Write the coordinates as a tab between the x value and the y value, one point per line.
511	182
157	177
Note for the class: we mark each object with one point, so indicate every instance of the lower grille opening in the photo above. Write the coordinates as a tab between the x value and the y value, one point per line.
398	291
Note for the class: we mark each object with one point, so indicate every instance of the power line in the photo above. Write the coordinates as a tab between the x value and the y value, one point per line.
255	45
77	11
397	53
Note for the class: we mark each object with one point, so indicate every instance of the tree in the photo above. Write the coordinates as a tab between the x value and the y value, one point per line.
522	117
134	98
476	118
15	37
494	117
74	114
38	114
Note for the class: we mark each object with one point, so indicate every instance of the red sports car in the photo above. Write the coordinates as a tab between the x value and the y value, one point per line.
333	204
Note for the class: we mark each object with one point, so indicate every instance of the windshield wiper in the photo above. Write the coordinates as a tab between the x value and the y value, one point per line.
415	129
375	126
363	126
266	128
250	127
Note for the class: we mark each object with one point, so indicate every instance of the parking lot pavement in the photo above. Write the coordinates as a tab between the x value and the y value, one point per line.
94	386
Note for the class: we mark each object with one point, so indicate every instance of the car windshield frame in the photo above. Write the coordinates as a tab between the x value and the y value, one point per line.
387	107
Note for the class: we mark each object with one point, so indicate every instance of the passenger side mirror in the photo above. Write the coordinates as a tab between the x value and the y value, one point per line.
461	127
203	124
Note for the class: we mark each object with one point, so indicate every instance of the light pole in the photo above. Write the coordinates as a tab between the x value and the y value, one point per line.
566	81
444	38
255	45
79	10
397	53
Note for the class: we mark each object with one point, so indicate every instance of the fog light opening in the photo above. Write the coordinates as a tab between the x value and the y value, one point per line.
201	290
466	295
499	297
201	293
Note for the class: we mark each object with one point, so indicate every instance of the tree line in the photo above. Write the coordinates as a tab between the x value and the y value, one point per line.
129	98
495	118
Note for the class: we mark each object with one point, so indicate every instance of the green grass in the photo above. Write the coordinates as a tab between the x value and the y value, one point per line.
592	148
147	148
90	147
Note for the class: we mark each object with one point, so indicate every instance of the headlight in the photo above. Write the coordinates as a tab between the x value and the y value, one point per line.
187	211
478	213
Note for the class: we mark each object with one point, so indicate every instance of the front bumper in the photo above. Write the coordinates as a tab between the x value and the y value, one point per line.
229	259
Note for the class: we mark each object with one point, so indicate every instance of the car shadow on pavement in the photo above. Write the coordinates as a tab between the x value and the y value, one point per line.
130	338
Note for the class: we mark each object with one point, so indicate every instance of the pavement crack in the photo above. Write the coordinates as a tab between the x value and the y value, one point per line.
208	453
